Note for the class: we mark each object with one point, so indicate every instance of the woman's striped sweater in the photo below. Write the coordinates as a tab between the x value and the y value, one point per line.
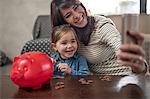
102	48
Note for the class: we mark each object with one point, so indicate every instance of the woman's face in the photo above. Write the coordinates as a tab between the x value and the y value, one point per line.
75	15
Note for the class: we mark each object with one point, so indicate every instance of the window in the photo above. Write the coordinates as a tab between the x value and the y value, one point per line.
109	7
148	6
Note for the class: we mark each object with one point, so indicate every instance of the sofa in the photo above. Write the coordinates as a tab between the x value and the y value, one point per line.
41	36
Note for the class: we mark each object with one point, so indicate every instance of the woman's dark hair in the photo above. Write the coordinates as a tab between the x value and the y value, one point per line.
56	16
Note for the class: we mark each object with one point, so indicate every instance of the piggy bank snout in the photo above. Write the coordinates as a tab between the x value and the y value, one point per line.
16	75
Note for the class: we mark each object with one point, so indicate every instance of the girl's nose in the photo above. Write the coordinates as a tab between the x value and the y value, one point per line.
69	45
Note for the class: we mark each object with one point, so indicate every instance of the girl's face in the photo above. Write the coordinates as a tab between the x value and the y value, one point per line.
75	15
66	45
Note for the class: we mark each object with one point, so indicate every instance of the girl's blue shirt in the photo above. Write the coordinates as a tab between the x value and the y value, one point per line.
77	63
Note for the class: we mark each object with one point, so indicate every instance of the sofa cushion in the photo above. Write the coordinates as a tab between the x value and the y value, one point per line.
38	45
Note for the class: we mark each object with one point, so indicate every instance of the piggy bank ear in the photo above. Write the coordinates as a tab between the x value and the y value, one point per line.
16	58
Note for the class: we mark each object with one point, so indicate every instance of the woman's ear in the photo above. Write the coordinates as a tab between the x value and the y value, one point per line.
54	46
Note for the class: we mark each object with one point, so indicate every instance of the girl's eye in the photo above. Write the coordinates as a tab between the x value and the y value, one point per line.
73	41
63	43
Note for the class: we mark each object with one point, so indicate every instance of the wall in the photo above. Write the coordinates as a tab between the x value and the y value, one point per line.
144	28
144	22
16	22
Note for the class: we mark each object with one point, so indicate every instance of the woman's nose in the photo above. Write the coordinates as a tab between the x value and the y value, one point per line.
75	15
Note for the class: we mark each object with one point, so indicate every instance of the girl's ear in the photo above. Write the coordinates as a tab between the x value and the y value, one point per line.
54	46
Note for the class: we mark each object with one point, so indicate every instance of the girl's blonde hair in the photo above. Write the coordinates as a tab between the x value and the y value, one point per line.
59	31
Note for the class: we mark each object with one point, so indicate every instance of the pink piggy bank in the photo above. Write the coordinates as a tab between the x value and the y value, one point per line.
31	69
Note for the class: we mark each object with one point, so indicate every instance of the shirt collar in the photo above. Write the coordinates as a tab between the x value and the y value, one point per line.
57	56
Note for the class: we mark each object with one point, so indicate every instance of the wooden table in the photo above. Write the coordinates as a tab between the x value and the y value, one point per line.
101	87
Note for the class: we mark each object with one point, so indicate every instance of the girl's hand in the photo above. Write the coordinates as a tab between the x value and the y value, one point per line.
64	68
53	60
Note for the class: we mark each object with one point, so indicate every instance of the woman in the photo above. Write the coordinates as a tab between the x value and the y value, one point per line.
100	41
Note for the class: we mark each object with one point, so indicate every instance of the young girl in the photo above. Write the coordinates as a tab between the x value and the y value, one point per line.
65	44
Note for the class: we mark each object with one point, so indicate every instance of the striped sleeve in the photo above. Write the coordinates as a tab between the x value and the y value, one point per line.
110	35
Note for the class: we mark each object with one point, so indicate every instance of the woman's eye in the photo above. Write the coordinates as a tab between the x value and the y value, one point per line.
67	15
75	6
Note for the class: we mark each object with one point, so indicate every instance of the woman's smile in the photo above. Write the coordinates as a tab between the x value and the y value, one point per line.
80	19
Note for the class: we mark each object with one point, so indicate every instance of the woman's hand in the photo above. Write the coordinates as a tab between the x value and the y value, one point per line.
133	54
64	68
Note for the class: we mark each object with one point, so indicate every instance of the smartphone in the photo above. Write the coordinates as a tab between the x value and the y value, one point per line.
130	22
127	38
